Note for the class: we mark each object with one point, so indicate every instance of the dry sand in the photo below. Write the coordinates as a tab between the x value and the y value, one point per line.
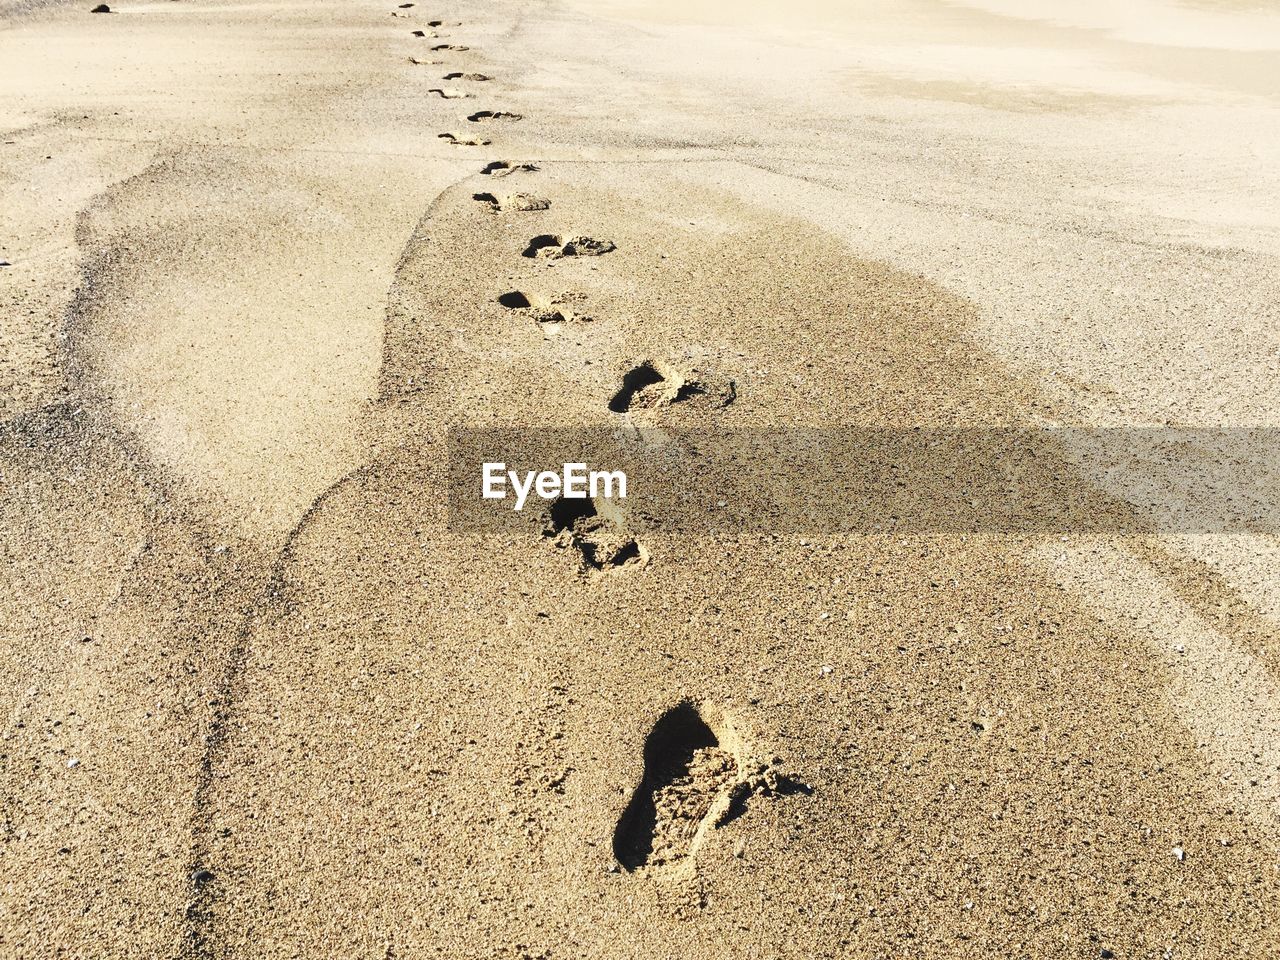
260	699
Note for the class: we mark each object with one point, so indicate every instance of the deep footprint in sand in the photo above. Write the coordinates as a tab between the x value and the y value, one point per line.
449	93
476	77
696	779
486	116
518	202
553	247
449	46
502	168
458	141
652	384
597	535
687	783
426	34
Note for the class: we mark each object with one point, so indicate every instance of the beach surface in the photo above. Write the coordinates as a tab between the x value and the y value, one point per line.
264	695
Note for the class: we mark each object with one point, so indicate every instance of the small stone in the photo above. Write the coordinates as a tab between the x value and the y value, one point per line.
1179	854
740	849
201	877
612	868
827	669
101	8
72	763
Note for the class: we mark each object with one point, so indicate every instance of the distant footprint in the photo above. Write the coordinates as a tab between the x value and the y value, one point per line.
553	247
426	34
477	77
421	63
502	168
484	116
449	93
653	384
519	202
450	46
458	141
598	536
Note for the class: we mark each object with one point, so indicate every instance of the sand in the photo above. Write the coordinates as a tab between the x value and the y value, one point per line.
264	695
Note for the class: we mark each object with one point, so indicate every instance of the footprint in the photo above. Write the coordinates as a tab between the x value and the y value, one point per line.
427	34
686	786
548	311
553	247
483	116
653	384
450	46
519	202
405	6
449	93
598	535
420	63
458	141
696	779
477	77
501	168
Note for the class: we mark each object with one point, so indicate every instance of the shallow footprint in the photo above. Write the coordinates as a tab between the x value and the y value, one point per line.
553	247
477	77
651	384
458	141
519	202
484	116
450	46
548	312
502	168
449	93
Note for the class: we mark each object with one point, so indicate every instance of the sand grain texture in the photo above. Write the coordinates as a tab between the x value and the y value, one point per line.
261	698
